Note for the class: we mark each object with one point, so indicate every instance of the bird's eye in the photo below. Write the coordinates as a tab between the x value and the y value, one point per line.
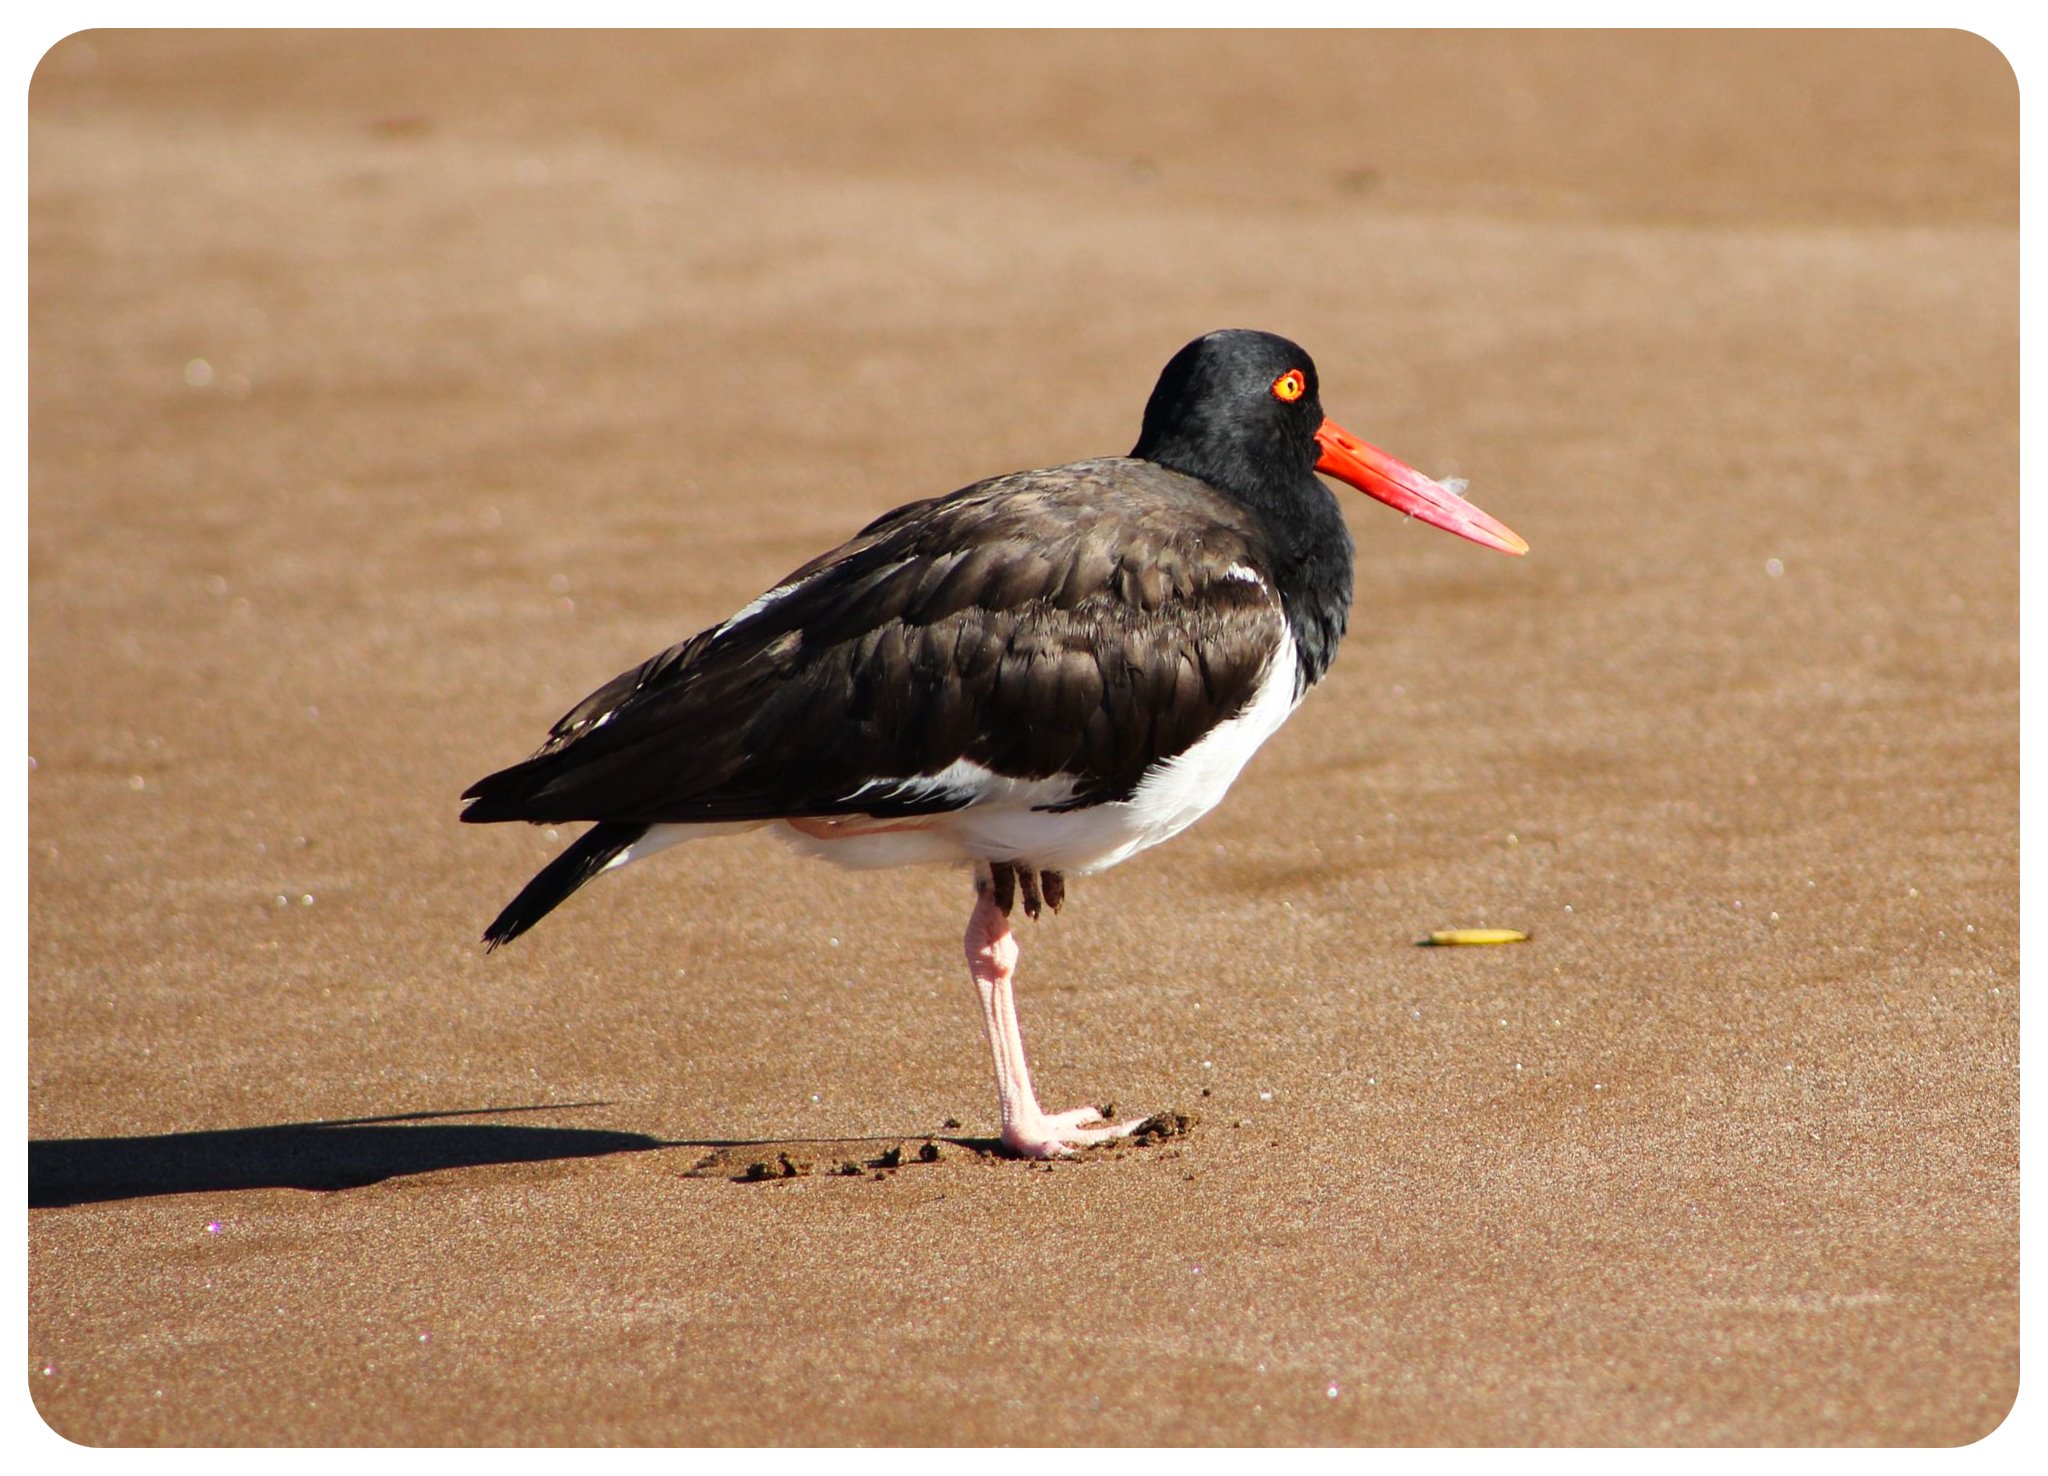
1290	386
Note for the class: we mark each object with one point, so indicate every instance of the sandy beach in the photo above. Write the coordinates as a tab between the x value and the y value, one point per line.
389	392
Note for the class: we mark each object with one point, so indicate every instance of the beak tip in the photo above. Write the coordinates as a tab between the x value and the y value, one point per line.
1406	490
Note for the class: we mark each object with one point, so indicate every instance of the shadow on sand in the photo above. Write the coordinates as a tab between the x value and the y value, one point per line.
349	1153
343	1154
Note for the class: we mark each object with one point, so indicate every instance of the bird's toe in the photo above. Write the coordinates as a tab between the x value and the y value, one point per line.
1058	1134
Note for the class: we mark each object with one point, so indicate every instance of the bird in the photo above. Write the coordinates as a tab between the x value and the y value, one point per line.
1034	677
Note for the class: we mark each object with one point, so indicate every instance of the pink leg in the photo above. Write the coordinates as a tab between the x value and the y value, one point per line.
1028	1130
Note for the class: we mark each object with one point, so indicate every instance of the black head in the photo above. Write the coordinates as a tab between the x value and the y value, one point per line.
1242	411
1238	409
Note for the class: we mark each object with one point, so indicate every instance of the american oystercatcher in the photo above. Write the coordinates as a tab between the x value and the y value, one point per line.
1038	676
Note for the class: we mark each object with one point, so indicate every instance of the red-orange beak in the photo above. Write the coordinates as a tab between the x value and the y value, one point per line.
1407	490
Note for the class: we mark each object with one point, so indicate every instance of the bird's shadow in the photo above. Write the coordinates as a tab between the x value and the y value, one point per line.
339	1154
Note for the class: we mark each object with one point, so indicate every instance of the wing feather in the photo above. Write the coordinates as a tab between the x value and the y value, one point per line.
1080	621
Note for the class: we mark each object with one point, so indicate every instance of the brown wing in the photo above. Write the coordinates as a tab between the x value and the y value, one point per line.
1087	621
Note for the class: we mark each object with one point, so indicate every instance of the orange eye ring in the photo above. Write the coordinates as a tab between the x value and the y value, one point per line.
1290	386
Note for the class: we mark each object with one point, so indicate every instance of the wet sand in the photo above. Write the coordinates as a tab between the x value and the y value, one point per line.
387	393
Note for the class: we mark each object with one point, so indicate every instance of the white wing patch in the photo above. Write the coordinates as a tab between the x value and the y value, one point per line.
964	782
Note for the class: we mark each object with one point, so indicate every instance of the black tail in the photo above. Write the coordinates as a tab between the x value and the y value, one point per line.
509	794
591	852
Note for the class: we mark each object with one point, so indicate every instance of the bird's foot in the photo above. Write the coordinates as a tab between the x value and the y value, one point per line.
1058	1134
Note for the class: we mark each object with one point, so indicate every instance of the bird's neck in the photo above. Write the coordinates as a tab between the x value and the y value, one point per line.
1308	545
1310	552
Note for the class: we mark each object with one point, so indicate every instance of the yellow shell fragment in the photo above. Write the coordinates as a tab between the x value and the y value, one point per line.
1451	937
